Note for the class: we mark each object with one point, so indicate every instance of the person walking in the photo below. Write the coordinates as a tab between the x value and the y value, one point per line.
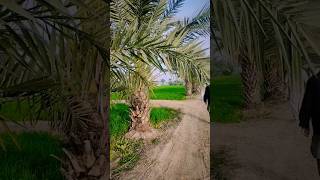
206	97
310	110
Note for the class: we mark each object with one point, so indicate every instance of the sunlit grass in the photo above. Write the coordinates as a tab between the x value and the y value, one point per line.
169	93
161	115
161	93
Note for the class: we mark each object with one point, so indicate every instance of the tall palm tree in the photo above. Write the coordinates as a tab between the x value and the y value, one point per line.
196	27
136	86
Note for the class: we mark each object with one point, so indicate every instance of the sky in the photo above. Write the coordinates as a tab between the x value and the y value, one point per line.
189	9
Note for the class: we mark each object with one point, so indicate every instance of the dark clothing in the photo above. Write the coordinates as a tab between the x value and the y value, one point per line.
315	146
206	97
310	108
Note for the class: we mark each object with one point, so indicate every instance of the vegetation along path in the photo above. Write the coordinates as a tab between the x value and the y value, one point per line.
185	153
267	145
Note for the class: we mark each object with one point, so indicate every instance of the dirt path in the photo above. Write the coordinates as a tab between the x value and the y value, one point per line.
267	147
185	155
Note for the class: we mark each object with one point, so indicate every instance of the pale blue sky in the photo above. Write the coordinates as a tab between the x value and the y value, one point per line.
190	9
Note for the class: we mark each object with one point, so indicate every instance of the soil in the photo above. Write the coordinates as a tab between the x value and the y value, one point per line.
267	145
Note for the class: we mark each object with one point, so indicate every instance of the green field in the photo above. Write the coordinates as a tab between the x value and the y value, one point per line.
33	160
168	93
161	93
227	99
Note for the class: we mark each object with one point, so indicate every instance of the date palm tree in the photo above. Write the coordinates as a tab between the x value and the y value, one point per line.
144	31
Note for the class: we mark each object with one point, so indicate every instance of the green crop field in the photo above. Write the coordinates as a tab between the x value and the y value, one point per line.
169	93
227	99
161	93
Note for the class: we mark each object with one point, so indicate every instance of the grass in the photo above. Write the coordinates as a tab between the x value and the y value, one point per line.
15	111
116	96
120	120
161	115
33	160
227	99
125	150
161	93
222	164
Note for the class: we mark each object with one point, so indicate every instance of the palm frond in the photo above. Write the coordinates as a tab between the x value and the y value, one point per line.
173	8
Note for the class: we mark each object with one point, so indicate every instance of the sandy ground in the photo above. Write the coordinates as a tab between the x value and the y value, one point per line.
269	146
184	154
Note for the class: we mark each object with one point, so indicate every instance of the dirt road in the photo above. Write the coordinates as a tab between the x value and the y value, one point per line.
185	153
267	147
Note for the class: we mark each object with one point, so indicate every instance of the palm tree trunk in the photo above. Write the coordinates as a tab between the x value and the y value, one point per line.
196	89
140	116
86	144
250	81
188	86
273	78
86	148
